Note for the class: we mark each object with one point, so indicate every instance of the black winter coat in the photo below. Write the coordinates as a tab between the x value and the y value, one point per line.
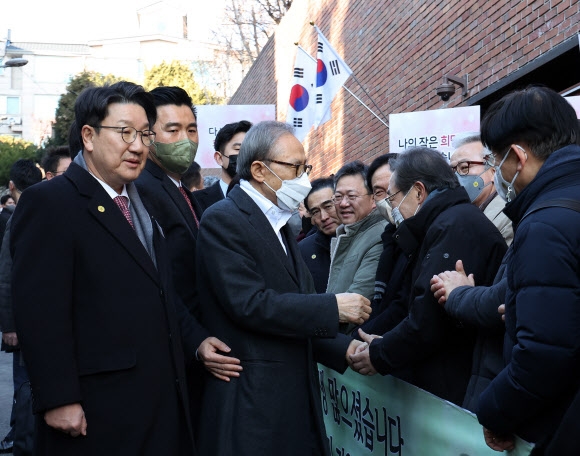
530	395
428	348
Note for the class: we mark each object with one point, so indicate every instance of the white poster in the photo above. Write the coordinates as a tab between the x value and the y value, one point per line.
211	118
435	129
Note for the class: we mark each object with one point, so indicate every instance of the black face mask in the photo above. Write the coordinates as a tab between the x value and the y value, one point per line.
231	169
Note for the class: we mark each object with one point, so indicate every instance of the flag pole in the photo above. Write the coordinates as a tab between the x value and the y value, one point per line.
371	98
369	109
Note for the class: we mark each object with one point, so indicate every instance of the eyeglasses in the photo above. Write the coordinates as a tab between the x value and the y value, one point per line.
326	206
300	168
129	134
338	198
379	194
390	197
462	168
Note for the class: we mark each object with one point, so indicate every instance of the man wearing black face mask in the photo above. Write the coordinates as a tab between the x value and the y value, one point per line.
227	147
174	207
477	177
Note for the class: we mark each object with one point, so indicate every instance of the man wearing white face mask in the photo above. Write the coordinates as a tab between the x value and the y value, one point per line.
259	298
534	135
436	226
469	161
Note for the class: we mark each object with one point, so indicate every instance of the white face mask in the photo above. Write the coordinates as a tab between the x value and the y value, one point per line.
397	216
292	192
504	188
385	210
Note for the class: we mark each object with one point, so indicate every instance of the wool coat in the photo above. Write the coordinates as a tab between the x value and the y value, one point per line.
97	322
261	301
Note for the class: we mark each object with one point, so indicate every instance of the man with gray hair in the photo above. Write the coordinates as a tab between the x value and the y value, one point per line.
477	177
259	298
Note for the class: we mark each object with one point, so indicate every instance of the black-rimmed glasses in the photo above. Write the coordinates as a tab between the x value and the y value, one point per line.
300	168
462	168
129	134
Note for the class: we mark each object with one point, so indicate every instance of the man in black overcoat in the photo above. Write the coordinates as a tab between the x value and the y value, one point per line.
259	299
93	299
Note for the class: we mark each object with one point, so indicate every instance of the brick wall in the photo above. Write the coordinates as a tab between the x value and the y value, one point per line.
400	51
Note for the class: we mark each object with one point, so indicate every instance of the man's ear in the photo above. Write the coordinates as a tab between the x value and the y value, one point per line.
421	192
522	155
11	186
218	158
88	134
258	171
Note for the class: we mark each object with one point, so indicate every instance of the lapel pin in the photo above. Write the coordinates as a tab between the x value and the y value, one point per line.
314	256
101	209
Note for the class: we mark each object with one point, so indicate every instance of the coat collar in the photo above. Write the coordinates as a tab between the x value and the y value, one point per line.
410	234
360	226
561	169
107	213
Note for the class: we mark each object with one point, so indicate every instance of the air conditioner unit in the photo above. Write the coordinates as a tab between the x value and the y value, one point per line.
14	121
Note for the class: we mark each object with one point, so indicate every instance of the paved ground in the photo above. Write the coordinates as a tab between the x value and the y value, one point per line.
6	392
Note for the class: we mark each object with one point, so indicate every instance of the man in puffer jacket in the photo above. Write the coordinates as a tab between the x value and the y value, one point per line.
533	136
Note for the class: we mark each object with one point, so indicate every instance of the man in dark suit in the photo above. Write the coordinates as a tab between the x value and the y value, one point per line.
94	307
315	248
259	298
173	206
227	145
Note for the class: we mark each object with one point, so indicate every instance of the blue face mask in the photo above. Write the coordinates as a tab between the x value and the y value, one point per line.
474	185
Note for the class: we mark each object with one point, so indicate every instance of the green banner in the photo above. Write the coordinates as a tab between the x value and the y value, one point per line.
387	416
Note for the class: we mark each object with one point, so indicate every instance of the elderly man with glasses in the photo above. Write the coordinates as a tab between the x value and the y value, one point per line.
476	175
259	298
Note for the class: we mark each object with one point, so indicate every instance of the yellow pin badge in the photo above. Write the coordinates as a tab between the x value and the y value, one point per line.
101	208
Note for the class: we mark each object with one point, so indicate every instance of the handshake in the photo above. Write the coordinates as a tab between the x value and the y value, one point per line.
353	308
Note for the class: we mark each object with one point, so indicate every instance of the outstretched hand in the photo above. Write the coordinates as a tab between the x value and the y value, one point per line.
443	284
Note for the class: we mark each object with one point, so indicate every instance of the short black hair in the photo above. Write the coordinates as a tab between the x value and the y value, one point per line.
319	184
75	140
536	116
192	177
353	169
376	164
25	173
92	106
425	165
227	132
5	198
172	95
52	157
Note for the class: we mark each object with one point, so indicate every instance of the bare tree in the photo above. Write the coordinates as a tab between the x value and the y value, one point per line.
275	8
246	28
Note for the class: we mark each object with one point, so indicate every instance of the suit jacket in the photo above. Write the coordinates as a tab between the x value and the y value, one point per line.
165	202
97	322
315	250
208	196
258	300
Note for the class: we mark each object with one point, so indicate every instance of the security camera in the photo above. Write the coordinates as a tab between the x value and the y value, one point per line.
445	90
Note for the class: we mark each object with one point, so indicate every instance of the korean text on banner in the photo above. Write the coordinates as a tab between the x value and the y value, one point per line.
387	416
301	108
331	73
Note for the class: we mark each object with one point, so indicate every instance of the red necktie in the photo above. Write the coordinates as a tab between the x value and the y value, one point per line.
181	189
123	203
